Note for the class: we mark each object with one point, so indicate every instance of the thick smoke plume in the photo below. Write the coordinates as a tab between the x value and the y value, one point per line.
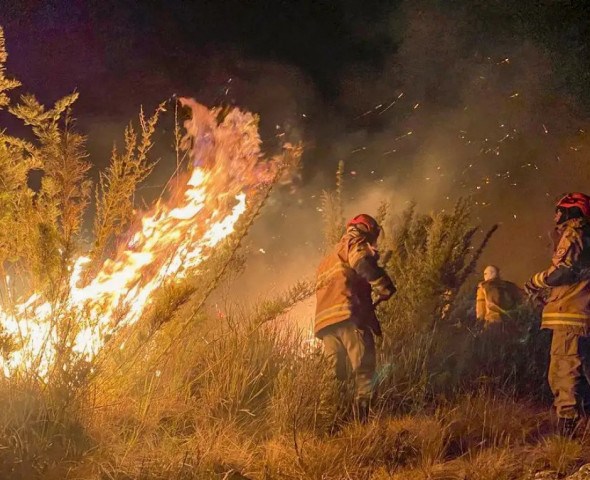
461	109
479	99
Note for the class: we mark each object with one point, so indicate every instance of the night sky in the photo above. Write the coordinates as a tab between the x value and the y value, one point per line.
119	54
136	47
424	100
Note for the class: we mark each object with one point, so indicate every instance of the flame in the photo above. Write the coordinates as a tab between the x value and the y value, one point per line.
171	240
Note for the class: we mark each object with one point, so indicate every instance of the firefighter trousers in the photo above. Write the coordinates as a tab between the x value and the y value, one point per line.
344	341
569	373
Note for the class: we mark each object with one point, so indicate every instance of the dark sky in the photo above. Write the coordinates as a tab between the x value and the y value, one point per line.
121	53
331	57
138	51
425	100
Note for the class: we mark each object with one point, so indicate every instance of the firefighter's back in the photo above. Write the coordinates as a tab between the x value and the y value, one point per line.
501	298
332	290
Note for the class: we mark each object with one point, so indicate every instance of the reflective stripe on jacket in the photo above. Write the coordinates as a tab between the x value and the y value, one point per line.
345	279
568	303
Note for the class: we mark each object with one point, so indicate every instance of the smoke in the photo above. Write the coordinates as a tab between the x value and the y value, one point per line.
484	100
488	121
469	105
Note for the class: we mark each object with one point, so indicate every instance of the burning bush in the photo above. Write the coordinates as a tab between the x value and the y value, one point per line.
113	368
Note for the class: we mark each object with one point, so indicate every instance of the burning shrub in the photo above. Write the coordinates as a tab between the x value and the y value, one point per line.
96	365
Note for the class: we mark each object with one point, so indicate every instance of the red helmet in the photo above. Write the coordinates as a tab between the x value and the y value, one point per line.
367	224
575	200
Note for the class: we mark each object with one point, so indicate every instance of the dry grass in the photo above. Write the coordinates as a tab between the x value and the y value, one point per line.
558	454
238	398
197	396
39	436
481	421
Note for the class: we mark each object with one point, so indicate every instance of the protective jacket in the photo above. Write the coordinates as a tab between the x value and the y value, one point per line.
346	278
495	299
567	305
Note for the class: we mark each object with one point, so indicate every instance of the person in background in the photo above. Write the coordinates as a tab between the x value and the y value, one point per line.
350	283
496	298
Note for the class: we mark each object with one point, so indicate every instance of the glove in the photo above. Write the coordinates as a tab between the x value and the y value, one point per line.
531	289
535	293
382	289
536	284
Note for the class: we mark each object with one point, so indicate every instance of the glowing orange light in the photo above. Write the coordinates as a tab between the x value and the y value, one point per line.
171	240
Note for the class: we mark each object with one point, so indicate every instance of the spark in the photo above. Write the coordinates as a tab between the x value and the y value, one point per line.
368	112
391	104
407	134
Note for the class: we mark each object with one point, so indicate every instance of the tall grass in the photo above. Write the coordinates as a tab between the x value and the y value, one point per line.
189	393
242	395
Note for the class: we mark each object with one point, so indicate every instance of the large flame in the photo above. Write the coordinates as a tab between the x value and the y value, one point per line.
172	239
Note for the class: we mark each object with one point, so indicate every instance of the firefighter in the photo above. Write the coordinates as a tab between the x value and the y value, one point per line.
496	298
349	285
565	290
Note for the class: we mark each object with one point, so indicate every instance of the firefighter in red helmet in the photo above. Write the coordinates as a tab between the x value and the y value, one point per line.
565	290
349	284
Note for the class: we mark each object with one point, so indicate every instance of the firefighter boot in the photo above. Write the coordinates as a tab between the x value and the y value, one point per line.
566	427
